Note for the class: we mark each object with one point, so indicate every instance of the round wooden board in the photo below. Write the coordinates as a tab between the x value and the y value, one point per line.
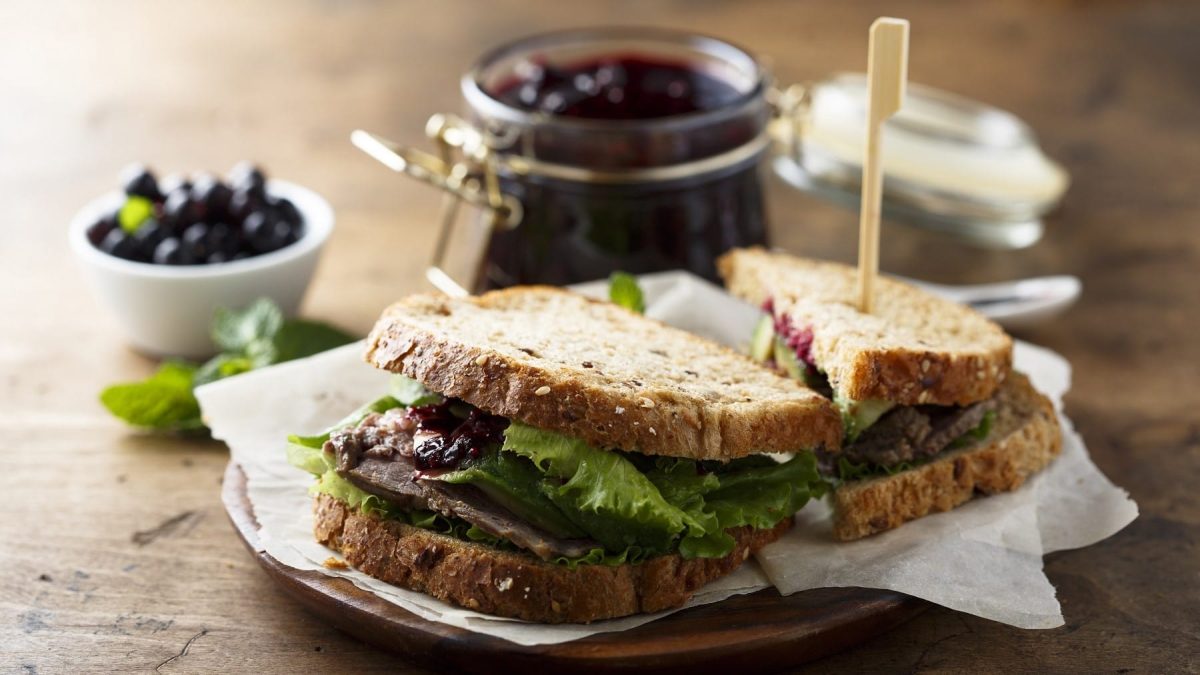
759	632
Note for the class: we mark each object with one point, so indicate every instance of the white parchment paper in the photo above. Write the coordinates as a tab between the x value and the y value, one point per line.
984	558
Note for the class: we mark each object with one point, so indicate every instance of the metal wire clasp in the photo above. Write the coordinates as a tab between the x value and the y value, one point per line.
790	108
466	169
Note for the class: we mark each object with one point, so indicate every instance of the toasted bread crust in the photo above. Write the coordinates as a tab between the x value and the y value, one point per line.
915	349
1025	438
510	584
731	408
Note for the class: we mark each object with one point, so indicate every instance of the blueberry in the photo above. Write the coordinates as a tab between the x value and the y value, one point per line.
210	191
119	244
249	178
242	204
148	235
180	209
290	233
170	251
265	232
222	239
218	198
138	180
195	241
97	231
217	257
287	211
257	230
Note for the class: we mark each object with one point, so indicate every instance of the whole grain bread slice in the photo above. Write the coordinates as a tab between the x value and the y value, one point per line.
511	584
593	370
1024	438
915	348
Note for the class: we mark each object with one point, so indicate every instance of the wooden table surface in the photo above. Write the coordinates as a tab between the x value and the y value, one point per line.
116	554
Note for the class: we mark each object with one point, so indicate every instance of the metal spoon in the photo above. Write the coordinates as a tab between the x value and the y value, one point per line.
1013	304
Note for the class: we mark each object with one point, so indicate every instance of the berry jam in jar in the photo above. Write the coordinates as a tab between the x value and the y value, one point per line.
628	149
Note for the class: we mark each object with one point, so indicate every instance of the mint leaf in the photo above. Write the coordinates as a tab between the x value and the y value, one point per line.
262	352
234	331
133	213
298	338
162	402
623	290
254	337
220	367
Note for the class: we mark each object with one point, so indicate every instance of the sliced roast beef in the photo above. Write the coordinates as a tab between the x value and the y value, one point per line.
948	426
378	435
896	437
472	505
378	458
911	434
390	479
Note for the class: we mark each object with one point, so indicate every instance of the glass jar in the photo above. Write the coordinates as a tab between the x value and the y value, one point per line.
592	151
629	149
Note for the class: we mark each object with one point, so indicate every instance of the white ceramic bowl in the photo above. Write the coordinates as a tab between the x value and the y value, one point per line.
167	310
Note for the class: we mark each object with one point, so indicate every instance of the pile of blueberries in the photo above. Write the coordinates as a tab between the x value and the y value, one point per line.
196	221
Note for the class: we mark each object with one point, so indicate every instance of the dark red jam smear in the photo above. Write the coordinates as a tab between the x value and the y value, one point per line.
457	438
617	87
799	340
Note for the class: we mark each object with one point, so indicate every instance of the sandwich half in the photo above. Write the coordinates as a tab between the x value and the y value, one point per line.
933	413
553	458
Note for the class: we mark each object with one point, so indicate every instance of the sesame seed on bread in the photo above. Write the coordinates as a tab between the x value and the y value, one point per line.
596	371
916	348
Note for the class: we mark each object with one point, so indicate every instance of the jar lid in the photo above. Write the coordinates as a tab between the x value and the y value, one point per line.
950	163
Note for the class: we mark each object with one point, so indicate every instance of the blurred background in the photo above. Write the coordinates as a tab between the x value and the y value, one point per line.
182	86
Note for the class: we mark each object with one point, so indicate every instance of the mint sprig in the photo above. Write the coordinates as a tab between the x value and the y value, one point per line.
623	290
254	337
162	401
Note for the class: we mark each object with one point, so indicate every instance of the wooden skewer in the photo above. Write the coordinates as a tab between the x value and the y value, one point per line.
887	74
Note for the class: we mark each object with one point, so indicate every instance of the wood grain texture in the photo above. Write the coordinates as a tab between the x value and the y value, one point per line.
116	554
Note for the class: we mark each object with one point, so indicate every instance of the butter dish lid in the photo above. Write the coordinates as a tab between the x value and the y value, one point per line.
950	163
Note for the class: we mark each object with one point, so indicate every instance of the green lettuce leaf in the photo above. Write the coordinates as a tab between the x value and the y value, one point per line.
760	496
623	290
598	556
682	483
979	433
311	459
162	402
601	492
410	392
